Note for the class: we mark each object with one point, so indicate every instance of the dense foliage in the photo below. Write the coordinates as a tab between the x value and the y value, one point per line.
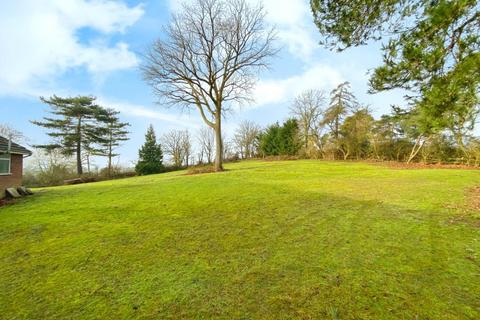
280	140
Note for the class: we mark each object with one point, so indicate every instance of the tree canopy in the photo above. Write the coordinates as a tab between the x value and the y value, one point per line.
430	49
114	132
72	126
281	140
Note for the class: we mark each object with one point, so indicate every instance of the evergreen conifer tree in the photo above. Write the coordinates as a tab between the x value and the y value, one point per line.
150	155
73	128
114	132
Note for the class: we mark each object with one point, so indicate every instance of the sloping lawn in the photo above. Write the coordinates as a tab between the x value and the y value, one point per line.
264	240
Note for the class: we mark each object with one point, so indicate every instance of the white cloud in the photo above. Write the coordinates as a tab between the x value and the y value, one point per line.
294	24
39	40
319	76
135	110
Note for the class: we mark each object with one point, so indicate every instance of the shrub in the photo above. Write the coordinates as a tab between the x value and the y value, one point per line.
280	140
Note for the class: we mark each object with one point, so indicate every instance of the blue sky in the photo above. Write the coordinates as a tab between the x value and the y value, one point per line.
76	47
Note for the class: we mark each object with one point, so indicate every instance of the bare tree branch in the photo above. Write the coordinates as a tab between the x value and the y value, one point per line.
209	58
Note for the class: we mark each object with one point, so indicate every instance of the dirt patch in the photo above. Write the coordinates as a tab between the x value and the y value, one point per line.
280	158
469	211
404	165
200	170
473	197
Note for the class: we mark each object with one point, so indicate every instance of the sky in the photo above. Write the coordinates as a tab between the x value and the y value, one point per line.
95	47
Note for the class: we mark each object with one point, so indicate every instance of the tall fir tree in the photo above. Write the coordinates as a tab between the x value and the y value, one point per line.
73	127
114	132
150	155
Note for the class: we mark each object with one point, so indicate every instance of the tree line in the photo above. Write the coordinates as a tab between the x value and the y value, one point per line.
337	126
334	126
211	52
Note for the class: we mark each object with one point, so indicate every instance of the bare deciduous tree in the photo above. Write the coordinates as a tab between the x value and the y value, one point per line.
187	147
209	58
228	149
245	139
307	109
47	168
177	145
12	134
206	141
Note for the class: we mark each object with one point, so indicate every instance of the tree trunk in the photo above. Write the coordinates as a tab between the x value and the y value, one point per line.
416	148
337	126
88	162
219	143
306	138
110	166
110	152
79	147
110	163
79	160
461	145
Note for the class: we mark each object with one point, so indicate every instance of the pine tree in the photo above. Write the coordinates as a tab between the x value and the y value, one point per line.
341	102
150	155
73	128
113	133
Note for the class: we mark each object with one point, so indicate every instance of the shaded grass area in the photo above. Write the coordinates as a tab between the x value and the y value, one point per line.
264	240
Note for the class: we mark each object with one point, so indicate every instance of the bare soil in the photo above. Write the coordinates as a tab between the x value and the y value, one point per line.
404	165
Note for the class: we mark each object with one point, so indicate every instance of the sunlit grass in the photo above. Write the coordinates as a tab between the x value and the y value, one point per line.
263	240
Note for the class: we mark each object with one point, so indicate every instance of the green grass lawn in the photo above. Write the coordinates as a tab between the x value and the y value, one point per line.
263	240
